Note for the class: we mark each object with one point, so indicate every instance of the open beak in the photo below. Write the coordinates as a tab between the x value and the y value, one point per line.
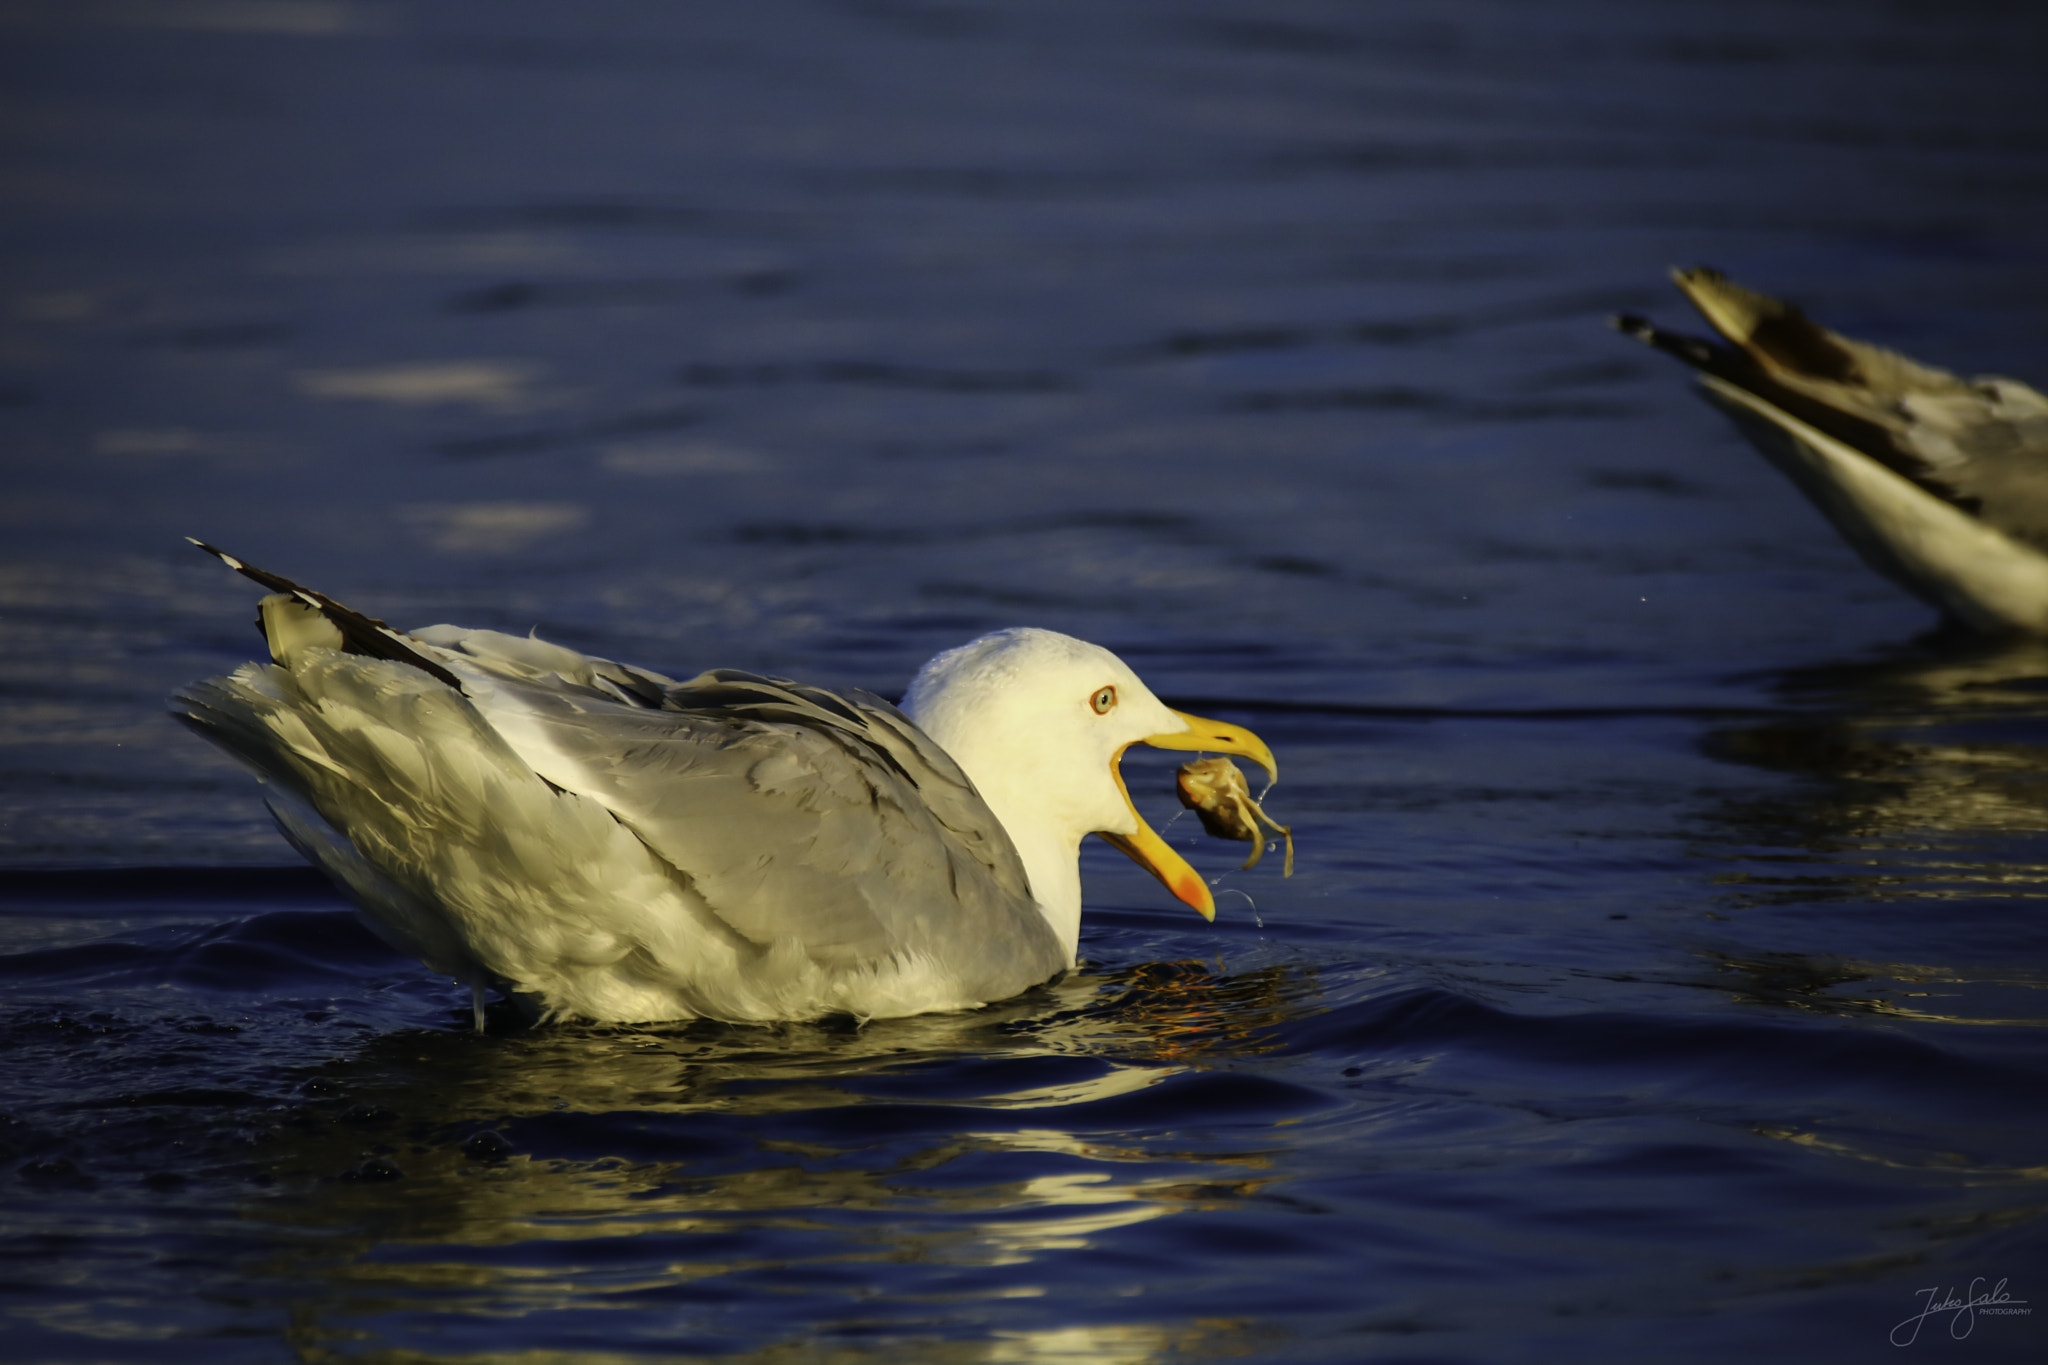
1146	848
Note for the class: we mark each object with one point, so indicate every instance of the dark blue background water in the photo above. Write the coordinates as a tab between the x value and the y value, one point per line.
1663	975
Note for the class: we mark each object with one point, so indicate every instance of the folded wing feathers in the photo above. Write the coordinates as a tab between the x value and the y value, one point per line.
874	731
527	658
834	826
427	794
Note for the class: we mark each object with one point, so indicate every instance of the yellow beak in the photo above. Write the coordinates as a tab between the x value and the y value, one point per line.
1146	848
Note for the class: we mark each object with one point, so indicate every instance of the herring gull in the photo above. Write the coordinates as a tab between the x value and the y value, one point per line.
606	843
1939	482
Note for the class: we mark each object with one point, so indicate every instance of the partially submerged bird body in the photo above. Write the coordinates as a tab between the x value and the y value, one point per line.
1939	482
607	843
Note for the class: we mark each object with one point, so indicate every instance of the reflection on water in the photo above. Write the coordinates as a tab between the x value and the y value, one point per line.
1941	744
1921	777
1897	990
518	1172
1936	672
492	385
493	527
1949	1161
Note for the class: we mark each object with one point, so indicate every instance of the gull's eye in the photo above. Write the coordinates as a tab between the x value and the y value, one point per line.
1103	700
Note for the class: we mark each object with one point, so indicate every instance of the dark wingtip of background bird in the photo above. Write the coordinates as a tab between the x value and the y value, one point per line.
1693	351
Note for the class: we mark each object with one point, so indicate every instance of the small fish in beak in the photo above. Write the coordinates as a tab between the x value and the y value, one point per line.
1215	790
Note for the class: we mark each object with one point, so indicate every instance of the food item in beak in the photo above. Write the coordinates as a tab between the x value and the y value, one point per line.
1215	790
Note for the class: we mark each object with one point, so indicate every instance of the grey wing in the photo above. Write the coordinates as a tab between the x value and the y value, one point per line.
1987	442
801	817
1981	443
526	658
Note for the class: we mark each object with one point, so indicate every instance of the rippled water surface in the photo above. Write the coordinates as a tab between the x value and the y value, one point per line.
1663	973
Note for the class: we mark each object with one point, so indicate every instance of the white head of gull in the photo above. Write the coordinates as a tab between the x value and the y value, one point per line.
1039	721
606	843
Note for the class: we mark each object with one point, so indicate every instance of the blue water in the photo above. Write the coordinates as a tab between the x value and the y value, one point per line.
1662	977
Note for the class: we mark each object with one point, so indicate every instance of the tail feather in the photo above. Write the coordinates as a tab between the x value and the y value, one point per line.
1701	355
360	634
1815	401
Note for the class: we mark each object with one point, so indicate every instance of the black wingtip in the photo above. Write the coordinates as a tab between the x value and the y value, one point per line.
1701	355
222	555
360	634
274	582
